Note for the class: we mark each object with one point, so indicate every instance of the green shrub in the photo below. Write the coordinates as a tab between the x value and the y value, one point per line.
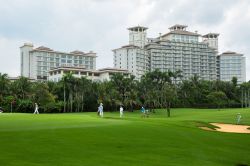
24	106
52	107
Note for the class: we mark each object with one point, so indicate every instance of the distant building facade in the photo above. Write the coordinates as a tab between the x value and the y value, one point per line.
181	50
232	64
13	79
178	49
36	62
100	75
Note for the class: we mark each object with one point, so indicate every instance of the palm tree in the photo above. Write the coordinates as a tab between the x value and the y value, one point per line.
22	88
122	85
68	88
169	95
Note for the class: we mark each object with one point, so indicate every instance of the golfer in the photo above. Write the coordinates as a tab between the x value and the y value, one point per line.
98	111
121	111
36	109
101	110
238	118
143	112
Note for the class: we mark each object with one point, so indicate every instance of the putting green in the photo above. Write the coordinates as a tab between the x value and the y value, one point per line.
85	139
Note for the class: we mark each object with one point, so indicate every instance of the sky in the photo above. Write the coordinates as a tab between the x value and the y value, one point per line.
101	25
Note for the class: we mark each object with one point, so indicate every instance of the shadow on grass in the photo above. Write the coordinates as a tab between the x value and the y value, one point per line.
115	118
205	124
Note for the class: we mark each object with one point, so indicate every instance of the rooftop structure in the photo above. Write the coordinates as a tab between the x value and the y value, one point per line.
138	28
212	40
138	36
211	35
179	33
178	27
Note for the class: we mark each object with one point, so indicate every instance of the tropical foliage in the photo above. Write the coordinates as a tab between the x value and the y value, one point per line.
156	89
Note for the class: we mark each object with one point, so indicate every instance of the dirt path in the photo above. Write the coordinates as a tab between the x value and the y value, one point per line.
231	128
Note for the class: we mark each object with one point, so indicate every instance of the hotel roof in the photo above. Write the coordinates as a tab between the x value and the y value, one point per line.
135	28
43	48
230	53
178	26
211	34
76	52
46	49
127	46
83	69
181	32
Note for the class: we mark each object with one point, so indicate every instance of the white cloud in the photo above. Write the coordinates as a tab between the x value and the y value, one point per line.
9	56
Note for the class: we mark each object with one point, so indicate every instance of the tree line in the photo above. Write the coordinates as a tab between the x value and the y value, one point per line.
156	89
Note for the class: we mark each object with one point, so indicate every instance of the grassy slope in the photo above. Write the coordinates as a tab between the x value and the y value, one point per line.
84	139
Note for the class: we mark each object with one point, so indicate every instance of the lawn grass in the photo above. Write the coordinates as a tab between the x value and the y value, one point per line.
80	139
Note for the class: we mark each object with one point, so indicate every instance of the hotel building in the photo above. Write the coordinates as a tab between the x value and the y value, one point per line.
100	75
232	64
178	49
37	62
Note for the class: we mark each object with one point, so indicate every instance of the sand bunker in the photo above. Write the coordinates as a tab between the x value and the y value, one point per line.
230	128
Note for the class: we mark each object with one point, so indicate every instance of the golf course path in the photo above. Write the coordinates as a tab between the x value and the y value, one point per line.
232	128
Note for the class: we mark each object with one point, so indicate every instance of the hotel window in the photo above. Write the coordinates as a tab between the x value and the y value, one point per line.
52	64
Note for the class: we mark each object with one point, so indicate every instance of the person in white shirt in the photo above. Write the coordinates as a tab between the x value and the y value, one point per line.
101	110
121	111
36	109
238	118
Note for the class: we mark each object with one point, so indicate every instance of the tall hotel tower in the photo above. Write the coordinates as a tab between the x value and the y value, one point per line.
178	49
